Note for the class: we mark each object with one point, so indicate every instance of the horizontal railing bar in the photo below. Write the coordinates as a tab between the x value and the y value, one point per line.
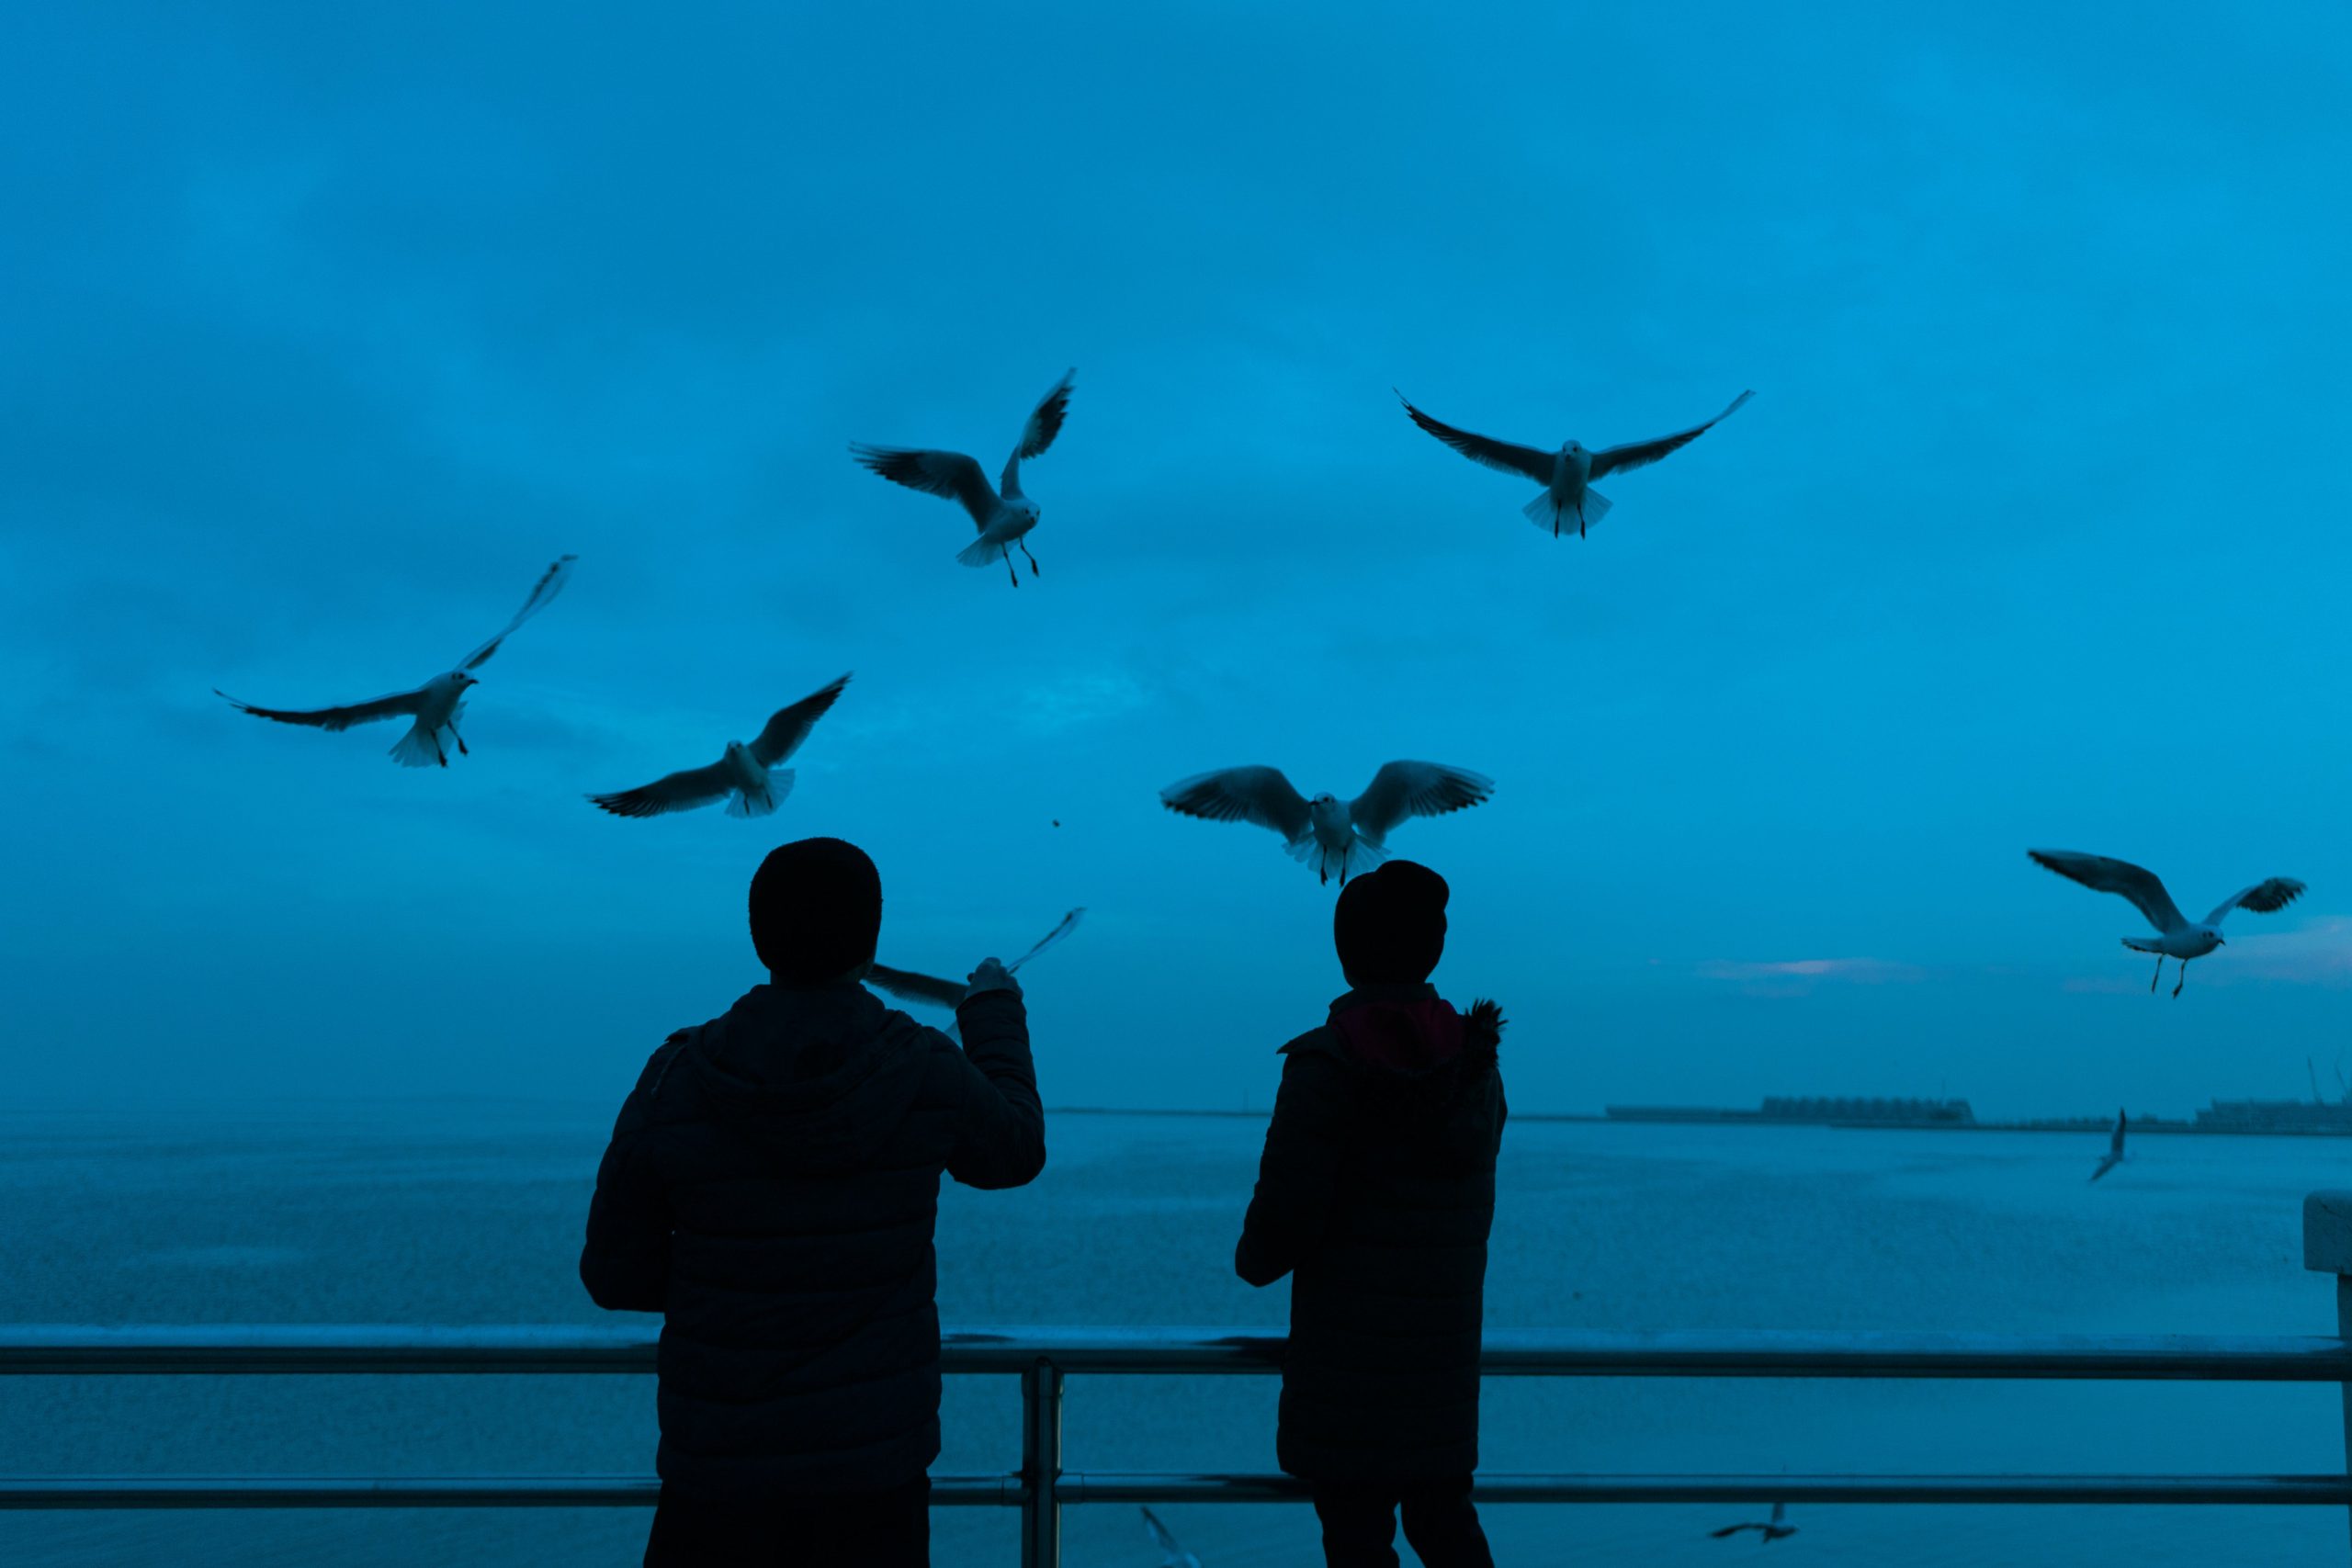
631	1348
94	1492
113	1492
1099	1486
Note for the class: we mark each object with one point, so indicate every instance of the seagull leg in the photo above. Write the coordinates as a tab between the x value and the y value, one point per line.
1009	570
460	739
2157	976
437	752
2183	978
1033	560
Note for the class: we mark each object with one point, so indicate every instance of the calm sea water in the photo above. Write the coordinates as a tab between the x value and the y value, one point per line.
471	1214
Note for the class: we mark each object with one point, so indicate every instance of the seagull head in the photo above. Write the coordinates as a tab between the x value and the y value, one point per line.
1573	448
1324	800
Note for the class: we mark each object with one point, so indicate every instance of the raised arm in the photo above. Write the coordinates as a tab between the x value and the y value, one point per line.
1001	1129
626	1262
1298	1173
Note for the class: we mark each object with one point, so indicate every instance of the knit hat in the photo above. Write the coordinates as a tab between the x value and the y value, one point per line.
815	910
1390	924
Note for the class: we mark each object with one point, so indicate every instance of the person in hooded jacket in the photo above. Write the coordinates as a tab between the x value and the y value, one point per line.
1375	1194
770	1190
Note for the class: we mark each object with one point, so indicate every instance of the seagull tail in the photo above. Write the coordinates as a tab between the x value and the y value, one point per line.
746	805
1551	518
980	552
417	749
2142	944
1360	856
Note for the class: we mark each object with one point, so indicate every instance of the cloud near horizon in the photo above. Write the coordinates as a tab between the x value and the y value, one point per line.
1798	976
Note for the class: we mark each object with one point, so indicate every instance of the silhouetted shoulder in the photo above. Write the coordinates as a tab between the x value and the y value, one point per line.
639	1110
1317	1042
1482	1032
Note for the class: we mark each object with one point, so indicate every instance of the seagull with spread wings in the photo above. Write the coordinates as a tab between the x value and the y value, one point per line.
432	707
1566	475
2175	937
747	777
930	990
1003	516
1346	838
1778	1528
2114	1149
1171	1555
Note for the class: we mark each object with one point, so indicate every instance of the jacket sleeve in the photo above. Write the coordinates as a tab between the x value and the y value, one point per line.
999	1124
1298	1175
625	1263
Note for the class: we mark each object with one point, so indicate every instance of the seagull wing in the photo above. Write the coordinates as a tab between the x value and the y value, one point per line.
1242	795
2115	1142
2263	898
1045	423
1731	1530
2107	1164
1524	461
543	592
788	727
1640	454
1069	924
1415	789
1160	1537
681	791
400	704
948	474
2102	875
1779	1510
910	986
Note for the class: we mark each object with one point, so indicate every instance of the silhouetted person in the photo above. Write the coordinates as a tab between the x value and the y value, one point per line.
1375	1194
770	1189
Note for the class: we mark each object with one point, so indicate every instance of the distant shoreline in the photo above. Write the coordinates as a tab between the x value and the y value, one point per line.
2098	1126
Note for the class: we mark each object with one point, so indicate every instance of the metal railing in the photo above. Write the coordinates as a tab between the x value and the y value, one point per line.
1042	1359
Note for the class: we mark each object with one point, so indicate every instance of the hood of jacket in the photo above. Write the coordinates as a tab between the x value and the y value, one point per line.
819	1075
1405	1034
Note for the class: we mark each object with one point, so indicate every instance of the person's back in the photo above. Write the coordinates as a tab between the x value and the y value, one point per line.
1375	1194
771	1188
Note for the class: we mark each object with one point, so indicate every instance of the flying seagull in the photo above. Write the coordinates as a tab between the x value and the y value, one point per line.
1172	1555
1346	837
747	777
1777	1528
1567	474
2114	1150
910	986
2176	937
1003	514
434	707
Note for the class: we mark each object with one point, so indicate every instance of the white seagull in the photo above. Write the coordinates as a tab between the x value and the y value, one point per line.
434	707
2176	937
1773	1531
1567	474
1003	513
910	986
2114	1149
1346	837
747	777
1172	1555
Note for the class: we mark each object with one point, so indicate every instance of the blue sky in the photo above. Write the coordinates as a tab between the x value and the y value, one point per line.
321	335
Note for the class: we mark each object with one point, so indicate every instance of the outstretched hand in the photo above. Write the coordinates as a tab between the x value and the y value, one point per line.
992	976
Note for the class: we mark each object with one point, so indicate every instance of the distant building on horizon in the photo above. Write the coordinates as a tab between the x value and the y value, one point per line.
1817	1110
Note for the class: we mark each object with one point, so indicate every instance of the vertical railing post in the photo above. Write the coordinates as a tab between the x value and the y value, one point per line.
2327	1249
1040	1465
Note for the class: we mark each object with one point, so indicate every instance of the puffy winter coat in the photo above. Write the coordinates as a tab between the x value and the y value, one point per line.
770	1189
1375	1194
